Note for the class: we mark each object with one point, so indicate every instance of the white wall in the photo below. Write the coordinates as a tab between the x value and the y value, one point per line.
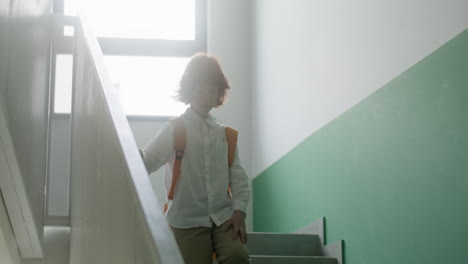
58	185
316	59
24	80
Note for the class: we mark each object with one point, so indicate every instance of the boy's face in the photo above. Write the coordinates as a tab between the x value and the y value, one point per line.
204	98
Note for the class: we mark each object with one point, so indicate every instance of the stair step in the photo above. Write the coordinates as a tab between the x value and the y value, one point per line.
277	244
257	259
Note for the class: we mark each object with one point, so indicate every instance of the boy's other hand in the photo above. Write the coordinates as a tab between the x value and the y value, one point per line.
237	222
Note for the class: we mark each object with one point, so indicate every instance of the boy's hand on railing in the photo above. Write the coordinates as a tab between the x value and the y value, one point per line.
237	222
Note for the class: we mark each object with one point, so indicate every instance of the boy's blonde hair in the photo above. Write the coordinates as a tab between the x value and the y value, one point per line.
203	70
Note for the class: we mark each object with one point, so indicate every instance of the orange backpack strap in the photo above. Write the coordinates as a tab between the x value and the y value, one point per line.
180	140
231	137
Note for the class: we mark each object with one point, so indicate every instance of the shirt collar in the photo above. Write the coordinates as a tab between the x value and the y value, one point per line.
194	116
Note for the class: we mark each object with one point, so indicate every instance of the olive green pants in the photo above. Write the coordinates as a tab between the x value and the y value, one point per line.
197	245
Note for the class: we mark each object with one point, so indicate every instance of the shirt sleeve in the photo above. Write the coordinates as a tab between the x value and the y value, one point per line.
239	182
159	150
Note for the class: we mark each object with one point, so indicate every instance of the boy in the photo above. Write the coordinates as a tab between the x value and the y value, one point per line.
204	216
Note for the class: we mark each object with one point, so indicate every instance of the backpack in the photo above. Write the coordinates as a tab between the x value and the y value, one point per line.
180	140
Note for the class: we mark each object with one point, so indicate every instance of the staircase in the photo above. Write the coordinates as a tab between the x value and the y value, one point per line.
275	248
304	247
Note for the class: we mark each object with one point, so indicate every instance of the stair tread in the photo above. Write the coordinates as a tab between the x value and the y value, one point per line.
284	244
268	259
284	256
281	234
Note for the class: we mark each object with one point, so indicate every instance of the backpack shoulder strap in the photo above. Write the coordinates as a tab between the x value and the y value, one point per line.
180	140
180	136
231	138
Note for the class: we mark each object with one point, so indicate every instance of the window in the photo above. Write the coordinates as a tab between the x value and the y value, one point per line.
149	90
146	44
63	83
140	19
146	85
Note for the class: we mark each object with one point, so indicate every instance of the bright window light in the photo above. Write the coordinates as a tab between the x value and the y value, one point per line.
141	19
147	85
68	30
63	83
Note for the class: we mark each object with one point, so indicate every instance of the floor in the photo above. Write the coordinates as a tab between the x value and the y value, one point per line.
56	246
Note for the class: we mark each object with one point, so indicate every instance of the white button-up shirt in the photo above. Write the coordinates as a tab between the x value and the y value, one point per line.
200	195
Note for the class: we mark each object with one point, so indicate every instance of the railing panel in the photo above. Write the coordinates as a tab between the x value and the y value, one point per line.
115	216
14	192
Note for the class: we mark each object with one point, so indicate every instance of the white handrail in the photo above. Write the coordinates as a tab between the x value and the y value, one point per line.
115	216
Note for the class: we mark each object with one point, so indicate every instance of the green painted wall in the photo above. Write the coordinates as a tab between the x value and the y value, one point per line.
390	175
